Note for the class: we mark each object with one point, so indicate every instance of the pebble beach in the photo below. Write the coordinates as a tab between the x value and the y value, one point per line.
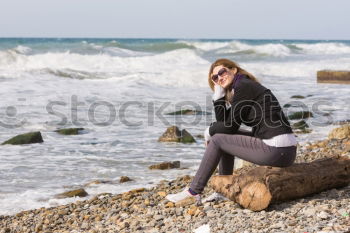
147	210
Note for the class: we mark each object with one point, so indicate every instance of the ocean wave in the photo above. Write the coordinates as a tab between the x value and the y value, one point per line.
120	52
111	48
159	47
12	55
240	48
324	48
275	50
271	49
9	57
97	66
139	48
16	55
71	73
205	46
22	49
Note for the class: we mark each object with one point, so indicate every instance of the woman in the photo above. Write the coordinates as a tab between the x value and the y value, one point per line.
239	98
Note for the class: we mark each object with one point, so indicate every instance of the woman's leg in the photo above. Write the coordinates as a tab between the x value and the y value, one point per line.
245	147
226	163
227	160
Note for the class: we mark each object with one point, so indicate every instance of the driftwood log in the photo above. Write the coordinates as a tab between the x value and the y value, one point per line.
256	188
333	76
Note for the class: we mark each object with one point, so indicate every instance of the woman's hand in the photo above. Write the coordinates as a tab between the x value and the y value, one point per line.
206	136
219	92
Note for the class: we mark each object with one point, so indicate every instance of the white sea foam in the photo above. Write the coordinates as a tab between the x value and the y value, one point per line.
206	46
22	49
296	69
238	46
272	49
324	48
186	67
12	63
115	51
11	56
269	49
276	50
97	47
8	57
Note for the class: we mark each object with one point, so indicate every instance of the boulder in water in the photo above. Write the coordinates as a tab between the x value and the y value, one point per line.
124	179
297	97
27	138
300	125
73	193
165	165
173	134
95	182
188	112
69	131
300	115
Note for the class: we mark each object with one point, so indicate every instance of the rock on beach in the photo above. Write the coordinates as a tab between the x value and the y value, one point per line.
340	133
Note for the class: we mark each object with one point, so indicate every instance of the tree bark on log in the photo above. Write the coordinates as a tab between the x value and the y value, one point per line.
333	76
259	187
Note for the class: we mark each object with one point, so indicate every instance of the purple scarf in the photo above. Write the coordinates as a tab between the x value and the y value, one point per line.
236	79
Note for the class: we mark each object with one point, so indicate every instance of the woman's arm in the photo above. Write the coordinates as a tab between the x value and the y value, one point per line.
227	120
221	112
245	93
219	103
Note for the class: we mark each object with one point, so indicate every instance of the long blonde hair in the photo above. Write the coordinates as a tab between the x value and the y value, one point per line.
230	65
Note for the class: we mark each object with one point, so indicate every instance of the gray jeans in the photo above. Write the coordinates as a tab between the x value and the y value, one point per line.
223	147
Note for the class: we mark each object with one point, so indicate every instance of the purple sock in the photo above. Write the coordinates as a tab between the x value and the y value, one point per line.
192	192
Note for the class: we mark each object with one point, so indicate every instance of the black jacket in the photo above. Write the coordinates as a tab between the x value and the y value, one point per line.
255	106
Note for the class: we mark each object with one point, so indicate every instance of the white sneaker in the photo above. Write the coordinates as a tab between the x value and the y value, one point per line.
182	196
215	197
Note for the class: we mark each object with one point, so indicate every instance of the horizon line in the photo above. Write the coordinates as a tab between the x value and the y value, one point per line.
166	38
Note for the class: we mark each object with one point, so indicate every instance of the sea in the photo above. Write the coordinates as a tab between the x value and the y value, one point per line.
120	91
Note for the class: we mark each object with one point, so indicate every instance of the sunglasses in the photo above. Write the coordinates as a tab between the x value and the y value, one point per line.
221	72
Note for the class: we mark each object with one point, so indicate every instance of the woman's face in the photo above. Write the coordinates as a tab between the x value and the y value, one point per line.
223	76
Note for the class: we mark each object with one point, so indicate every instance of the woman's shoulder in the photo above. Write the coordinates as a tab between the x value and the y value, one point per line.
249	87
245	81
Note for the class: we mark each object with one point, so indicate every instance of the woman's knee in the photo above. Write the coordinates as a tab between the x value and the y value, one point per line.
216	139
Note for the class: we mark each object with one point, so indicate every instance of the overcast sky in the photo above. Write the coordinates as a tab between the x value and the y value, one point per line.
231	19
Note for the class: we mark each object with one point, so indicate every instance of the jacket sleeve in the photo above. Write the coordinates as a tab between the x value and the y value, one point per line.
221	112
231	122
